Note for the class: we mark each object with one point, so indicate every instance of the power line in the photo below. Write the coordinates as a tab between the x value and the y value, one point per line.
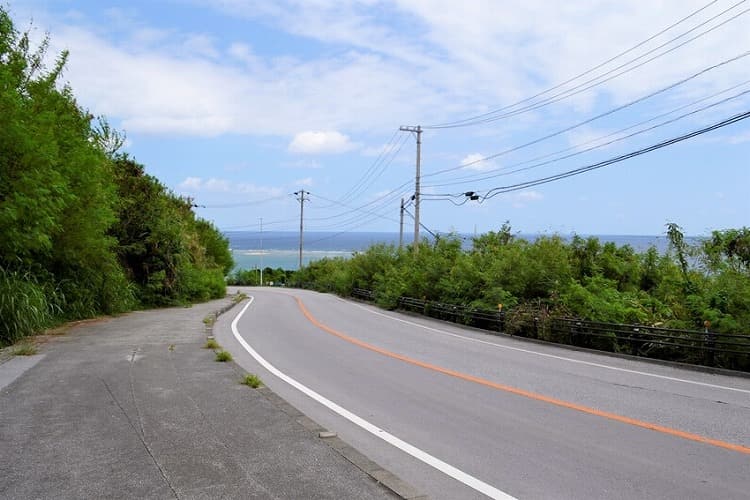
504	171
369	212
596	117
422	226
389	152
580	88
594	166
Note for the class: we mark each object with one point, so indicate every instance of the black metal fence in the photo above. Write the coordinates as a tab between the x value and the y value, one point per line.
686	346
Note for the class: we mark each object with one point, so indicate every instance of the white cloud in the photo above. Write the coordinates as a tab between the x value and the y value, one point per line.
306	163
739	138
529	196
201	45
197	184
379	150
306	182
459	59
244	53
327	142
475	161
216	185
253	189
523	198
588	137
193	185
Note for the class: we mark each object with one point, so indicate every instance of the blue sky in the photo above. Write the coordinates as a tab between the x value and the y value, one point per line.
239	103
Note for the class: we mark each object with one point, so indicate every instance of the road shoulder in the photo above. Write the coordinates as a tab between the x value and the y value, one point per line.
135	407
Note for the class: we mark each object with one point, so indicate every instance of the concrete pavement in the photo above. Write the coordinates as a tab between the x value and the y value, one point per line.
134	407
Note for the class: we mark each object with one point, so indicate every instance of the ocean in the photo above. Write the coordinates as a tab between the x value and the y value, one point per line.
275	249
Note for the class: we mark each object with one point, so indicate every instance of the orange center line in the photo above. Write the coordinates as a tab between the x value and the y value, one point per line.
527	394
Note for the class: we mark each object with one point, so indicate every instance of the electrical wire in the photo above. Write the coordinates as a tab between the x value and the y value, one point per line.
582	87
594	118
587	72
376	170
434	235
504	170
581	170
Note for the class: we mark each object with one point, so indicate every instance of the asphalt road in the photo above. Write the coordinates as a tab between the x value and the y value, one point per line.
482	415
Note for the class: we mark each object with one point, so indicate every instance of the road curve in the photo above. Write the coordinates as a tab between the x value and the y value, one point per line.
514	419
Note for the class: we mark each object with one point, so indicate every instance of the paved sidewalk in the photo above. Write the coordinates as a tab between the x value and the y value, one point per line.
133	407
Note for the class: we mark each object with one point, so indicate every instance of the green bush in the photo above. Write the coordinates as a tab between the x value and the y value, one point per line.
584	278
252	380
223	356
24	308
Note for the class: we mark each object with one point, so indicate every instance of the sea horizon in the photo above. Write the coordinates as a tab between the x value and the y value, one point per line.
280	249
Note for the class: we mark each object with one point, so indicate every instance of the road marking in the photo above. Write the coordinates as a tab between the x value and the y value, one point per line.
417	453
527	394
562	358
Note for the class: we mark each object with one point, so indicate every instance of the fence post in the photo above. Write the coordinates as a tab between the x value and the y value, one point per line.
500	319
634	344
709	342
573	329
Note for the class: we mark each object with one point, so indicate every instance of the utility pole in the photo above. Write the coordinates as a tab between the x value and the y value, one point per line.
418	131
301	198
401	227
261	251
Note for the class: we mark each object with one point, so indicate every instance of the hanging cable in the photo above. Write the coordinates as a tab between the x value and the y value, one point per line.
580	88
581	170
594	118
505	171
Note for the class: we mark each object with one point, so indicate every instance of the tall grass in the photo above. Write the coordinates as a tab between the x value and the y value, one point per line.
24	306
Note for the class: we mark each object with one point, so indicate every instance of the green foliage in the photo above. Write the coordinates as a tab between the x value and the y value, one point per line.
251	277
24	349
24	306
252	380
211	344
223	356
216	246
170	255
84	230
550	277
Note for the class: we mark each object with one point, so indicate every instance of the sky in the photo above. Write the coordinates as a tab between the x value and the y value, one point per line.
238	104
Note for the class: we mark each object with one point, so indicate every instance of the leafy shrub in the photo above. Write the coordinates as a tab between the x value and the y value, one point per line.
24	308
252	380
223	356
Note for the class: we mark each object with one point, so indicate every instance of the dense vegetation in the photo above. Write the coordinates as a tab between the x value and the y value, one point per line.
579	278
251	277
83	229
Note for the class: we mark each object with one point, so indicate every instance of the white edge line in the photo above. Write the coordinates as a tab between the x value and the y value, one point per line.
415	452
562	358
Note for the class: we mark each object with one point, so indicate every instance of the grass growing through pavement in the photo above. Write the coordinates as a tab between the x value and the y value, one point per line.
24	349
252	380
209	320
239	297
211	344
223	356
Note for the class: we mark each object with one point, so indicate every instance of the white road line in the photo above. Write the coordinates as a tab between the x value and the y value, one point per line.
425	457
562	358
